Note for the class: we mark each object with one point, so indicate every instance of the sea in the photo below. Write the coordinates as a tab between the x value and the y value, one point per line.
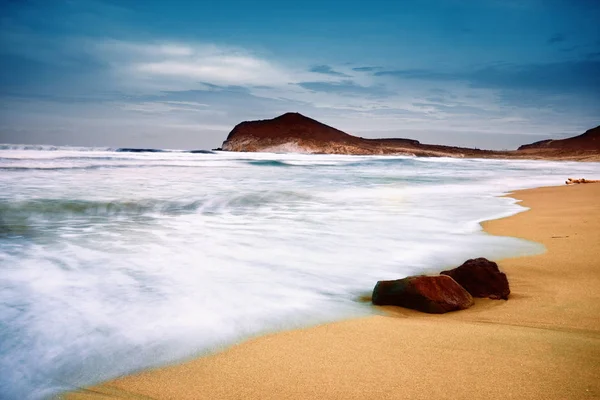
117	260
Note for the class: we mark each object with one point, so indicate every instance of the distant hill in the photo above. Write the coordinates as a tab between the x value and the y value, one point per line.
294	132
287	127
590	140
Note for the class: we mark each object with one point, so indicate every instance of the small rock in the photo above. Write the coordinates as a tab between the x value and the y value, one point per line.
431	294
481	278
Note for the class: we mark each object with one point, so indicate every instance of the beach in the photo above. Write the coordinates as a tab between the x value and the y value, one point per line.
543	343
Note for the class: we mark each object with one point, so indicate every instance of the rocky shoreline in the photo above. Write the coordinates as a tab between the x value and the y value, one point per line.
296	133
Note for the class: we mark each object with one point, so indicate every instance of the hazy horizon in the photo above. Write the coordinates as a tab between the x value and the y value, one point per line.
488	74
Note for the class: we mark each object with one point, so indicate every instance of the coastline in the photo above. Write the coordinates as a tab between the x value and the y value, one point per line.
544	342
294	132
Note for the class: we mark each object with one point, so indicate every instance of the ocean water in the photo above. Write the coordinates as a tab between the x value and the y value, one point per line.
111	262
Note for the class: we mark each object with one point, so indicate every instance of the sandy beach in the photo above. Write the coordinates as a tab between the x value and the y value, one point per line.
543	343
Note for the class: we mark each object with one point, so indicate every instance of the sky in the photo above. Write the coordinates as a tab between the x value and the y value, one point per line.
181	74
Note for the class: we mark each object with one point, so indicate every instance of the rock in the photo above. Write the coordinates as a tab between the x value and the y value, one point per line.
572	181
431	294
481	278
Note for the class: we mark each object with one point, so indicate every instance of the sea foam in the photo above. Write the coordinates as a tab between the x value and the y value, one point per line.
115	261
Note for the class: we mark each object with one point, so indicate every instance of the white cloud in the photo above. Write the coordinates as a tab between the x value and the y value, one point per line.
188	63
149	68
168	106
230	70
187	103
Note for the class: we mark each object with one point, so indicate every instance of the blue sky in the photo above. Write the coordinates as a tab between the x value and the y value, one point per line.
181	74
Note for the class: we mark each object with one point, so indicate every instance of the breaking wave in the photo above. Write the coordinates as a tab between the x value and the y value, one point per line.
269	163
63	208
42	147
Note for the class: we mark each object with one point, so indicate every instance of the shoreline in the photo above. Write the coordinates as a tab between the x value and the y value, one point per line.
584	158
544	342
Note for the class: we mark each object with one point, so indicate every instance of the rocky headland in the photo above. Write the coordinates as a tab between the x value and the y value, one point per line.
296	133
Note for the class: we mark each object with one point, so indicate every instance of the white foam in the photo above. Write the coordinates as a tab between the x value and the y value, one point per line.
221	248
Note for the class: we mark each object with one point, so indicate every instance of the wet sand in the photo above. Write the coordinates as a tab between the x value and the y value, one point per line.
543	343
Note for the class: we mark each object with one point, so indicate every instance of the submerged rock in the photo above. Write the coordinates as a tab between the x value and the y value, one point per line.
481	278
431	294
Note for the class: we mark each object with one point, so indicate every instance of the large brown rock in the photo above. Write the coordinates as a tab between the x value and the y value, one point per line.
481	278
431	294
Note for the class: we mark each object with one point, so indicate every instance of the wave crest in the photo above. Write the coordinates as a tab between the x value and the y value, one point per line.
44	147
60	209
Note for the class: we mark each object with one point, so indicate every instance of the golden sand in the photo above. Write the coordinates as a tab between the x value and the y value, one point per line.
543	343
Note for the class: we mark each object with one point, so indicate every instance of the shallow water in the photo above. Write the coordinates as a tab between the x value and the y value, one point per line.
115	261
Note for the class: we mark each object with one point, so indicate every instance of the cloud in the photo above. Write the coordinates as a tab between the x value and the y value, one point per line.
435	99
415	74
347	87
591	56
366	69
327	70
579	76
453	109
162	107
557	38
543	97
561	77
569	49
231	102
199	62
74	67
183	66
233	69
